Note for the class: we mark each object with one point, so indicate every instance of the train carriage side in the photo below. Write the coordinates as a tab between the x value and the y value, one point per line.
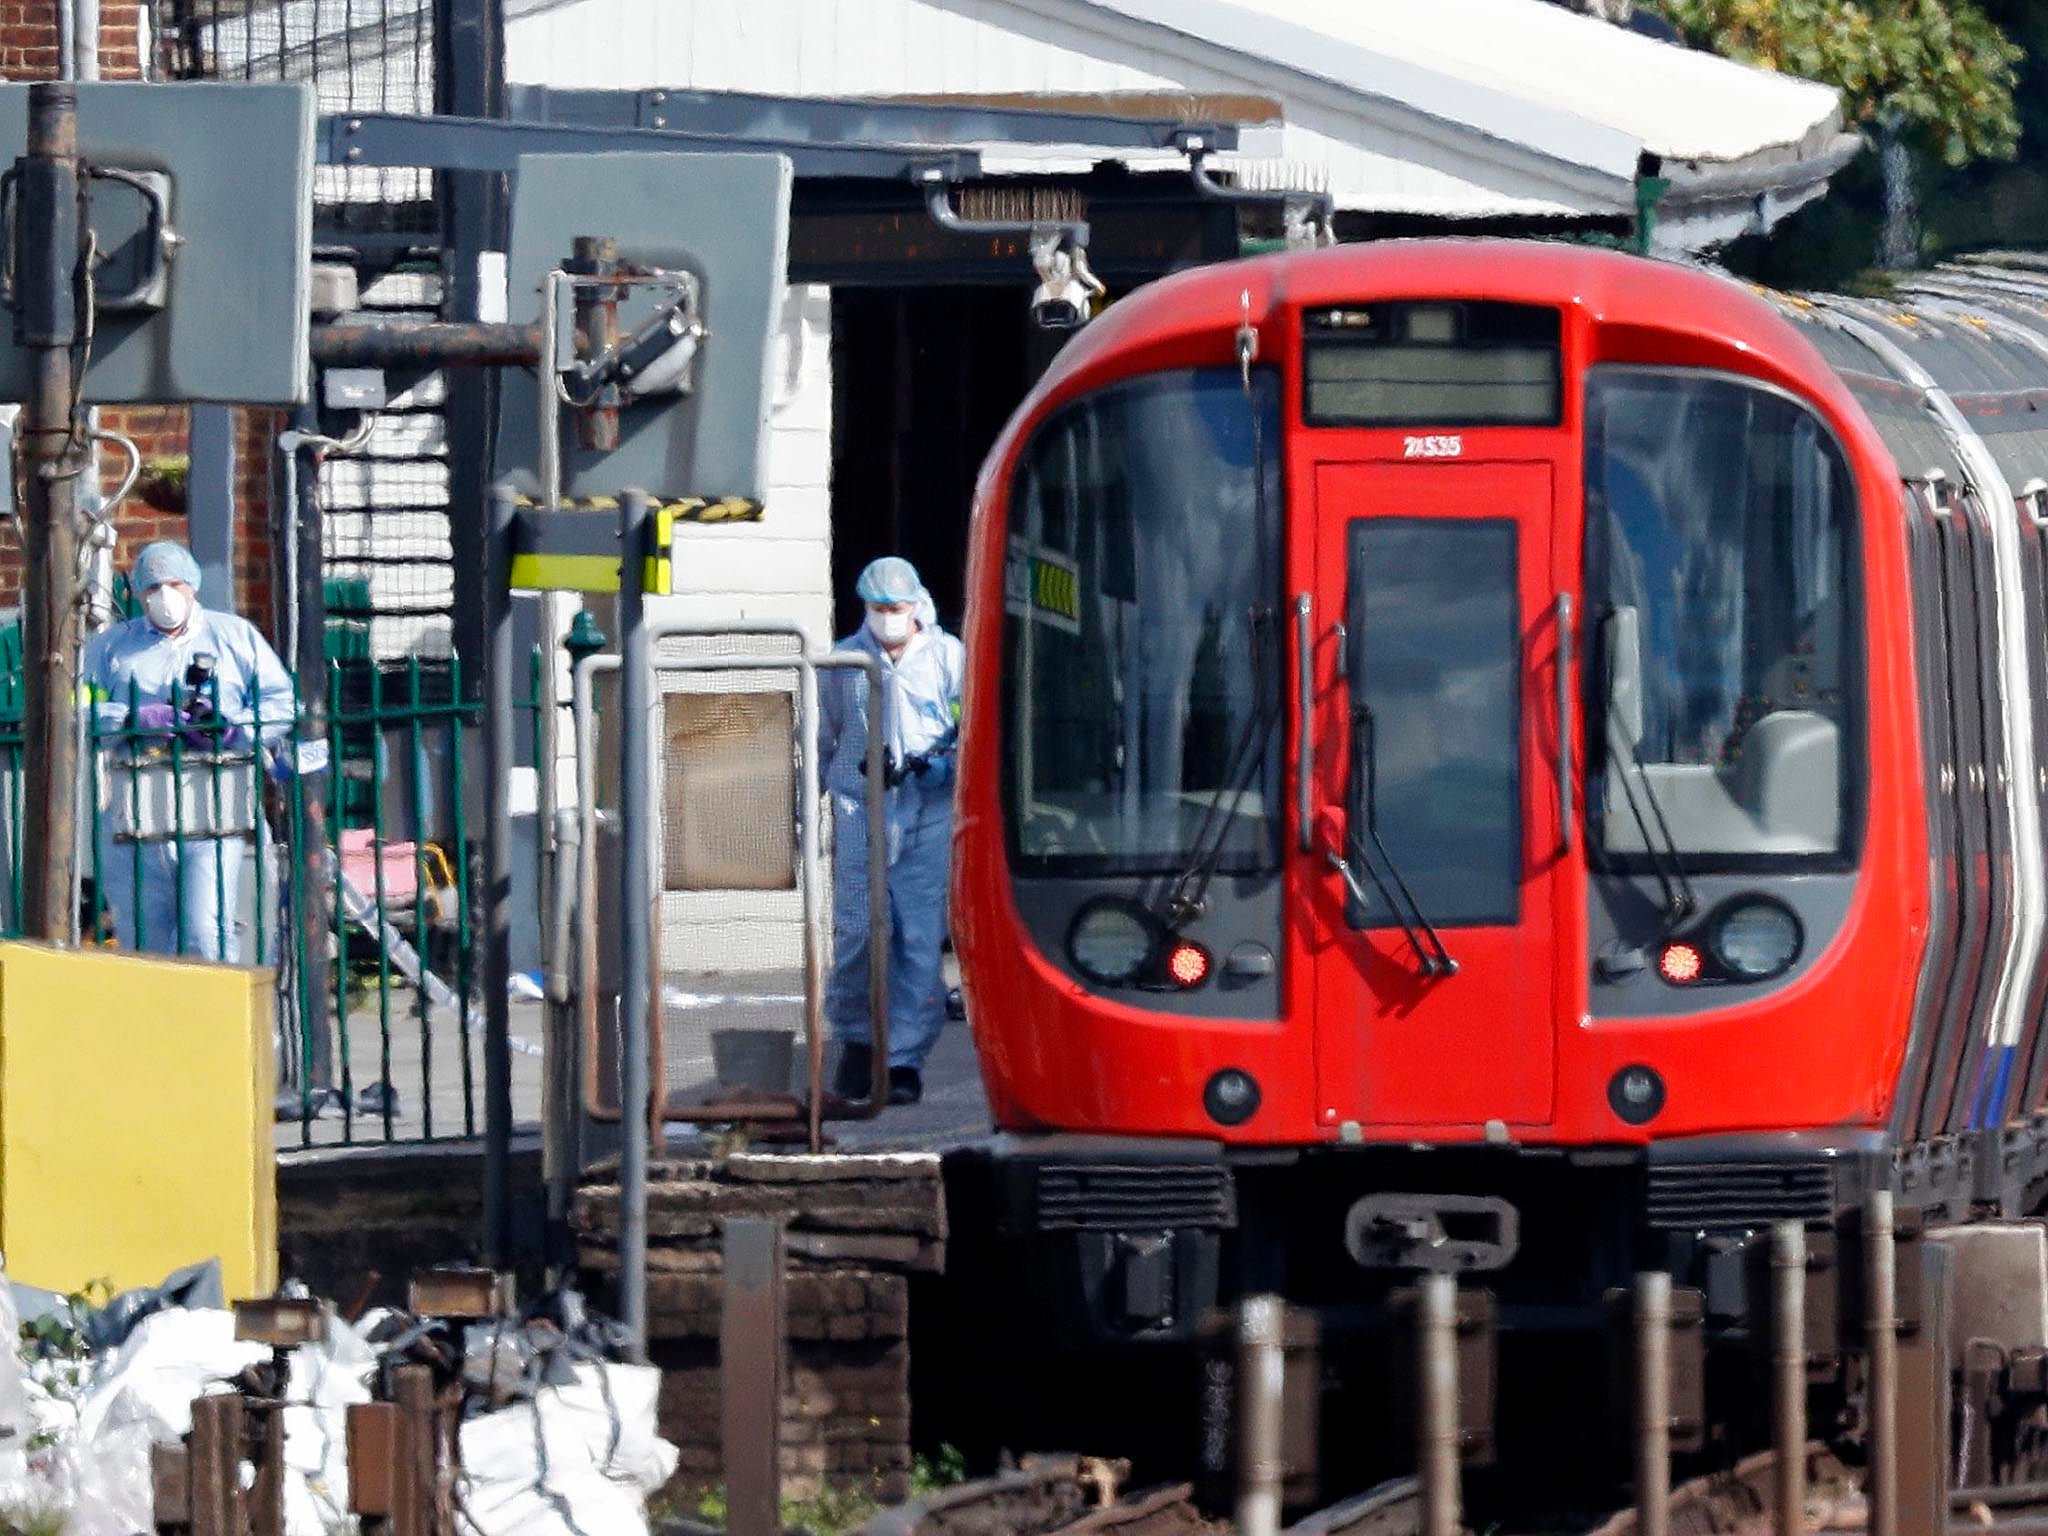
1953	373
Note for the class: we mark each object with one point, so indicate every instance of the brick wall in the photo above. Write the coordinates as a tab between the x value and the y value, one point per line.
857	1228
29	51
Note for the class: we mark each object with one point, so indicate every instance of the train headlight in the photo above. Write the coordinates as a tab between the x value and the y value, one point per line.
1231	1097
1756	939
1112	941
1636	1094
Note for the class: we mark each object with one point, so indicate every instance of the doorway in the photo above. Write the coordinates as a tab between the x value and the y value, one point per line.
922	381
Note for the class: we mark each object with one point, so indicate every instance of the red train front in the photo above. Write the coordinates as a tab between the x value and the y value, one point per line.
1441	788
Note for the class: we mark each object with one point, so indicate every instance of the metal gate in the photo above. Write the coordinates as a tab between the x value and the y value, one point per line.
738	1024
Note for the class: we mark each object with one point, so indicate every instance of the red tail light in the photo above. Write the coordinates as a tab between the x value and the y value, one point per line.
1680	963
1187	964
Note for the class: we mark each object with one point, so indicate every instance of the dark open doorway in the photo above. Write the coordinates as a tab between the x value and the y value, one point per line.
922	381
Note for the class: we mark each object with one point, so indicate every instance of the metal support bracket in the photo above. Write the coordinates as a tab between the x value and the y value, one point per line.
1310	217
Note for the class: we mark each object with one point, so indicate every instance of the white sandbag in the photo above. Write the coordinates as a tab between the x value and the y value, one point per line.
111	1493
325	1379
170	1358
13	1397
579	1458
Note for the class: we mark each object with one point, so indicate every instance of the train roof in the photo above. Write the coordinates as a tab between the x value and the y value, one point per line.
1976	330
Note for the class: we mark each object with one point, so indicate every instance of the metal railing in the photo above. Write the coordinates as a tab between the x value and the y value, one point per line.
194	841
681	1053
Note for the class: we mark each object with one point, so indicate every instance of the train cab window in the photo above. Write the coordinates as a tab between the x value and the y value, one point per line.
1722	583
1141	642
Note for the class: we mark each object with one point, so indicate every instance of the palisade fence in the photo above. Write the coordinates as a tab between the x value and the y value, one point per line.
194	840
392	1049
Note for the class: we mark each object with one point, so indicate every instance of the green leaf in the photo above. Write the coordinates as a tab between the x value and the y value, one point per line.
1944	65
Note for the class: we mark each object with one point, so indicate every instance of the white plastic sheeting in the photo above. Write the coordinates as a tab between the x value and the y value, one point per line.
75	1435
80	1443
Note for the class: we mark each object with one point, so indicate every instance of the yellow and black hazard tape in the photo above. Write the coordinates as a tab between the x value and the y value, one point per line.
681	509
574	551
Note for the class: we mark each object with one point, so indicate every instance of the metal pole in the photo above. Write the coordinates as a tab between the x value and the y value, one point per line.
85	40
811	866
636	821
561	1106
1261	1377
305	537
547	800
1880	1304
46	258
1653	1404
469	81
1788	1375
597	332
1436	1361
497	892
879	705
751	1330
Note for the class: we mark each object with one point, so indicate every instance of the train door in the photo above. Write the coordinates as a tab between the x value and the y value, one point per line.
1436	827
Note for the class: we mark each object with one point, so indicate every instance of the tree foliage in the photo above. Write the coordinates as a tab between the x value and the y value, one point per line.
1943	66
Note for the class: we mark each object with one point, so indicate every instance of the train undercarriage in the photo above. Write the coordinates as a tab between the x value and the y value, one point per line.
1109	1273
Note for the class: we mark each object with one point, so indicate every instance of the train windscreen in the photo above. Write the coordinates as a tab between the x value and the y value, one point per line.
1722	587
1141	642
1414	364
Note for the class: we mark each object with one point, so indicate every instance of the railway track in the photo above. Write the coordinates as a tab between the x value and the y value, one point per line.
1081	1496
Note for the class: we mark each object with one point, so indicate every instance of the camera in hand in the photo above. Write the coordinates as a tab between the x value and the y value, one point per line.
199	687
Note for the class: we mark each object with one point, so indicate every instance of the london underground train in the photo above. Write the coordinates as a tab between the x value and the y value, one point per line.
1506	756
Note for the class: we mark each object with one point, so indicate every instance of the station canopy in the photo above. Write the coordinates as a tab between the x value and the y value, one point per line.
1459	110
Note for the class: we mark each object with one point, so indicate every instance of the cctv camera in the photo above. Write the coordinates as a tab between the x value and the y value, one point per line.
1050	314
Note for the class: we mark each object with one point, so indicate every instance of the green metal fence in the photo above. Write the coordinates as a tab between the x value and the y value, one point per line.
343	840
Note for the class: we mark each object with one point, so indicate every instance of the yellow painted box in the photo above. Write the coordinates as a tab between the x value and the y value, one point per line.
135	1119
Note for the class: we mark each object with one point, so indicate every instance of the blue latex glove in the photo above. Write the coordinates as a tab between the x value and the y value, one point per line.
158	719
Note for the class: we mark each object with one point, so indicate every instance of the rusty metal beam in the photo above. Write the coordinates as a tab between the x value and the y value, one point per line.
170	1478
434	344
416	1479
266	1493
372	1462
751	1334
216	1461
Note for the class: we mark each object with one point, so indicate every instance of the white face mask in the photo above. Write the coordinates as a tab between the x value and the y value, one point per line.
167	607
889	628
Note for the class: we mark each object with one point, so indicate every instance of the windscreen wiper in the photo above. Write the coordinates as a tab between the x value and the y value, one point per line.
1189	893
1680	900
1423	938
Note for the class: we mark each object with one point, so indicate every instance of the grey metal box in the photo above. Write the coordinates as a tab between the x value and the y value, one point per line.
724	218
232	327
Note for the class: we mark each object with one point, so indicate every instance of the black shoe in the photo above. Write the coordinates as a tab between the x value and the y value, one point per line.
376	1099
956	1005
856	1074
906	1085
